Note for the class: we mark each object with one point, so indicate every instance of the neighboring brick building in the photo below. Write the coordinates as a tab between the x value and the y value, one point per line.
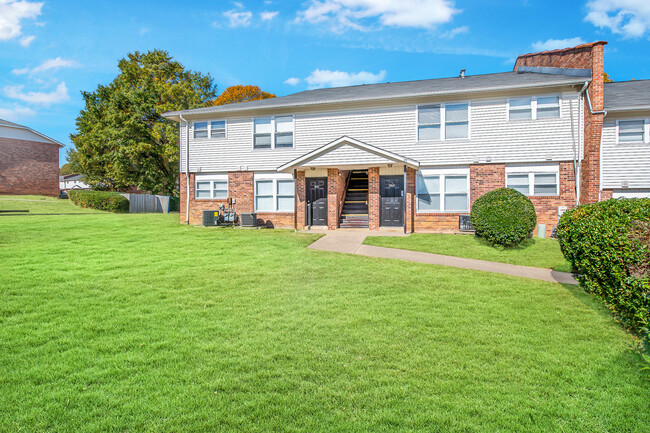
413	154
29	161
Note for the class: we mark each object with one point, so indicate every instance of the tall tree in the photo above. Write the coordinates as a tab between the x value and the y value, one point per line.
122	140
67	169
239	93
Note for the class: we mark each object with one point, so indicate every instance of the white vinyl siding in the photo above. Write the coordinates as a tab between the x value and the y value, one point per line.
534	180
274	192
624	163
534	107
394	128
442	190
443	122
211	187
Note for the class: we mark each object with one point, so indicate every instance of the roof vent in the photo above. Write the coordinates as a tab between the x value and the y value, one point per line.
462	73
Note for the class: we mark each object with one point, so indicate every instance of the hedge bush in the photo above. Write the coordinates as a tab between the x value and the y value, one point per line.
174	204
608	244
101	200
503	217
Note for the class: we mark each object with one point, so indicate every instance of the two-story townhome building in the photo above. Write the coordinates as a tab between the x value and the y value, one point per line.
413	155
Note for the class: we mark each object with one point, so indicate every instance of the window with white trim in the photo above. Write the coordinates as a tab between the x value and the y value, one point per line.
443	121
210	129
444	192
632	131
534	180
274	195
535	107
211	189
273	132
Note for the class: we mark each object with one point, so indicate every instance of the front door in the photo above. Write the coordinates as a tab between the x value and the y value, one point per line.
316	201
391	192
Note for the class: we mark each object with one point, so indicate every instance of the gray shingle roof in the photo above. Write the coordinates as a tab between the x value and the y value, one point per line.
627	95
405	89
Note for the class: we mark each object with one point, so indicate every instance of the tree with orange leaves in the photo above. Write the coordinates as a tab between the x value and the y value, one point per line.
239	93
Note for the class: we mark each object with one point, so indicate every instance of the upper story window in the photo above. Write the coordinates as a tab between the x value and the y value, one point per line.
534	180
536	107
630	131
443	121
273	132
442	191
211	129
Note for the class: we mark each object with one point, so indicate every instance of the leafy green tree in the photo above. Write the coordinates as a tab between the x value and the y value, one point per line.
122	140
67	169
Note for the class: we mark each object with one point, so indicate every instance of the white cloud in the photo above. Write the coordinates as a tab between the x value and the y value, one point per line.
12	12
268	15
48	65
555	44
293	81
143	31
343	14
16	114
455	32
238	19
25	41
630	18
326	78
59	94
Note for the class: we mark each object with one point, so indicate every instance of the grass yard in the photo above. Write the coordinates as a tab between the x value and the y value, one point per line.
136	323
38	204
540	253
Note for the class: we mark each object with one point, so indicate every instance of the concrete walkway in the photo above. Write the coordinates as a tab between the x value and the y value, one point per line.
350	241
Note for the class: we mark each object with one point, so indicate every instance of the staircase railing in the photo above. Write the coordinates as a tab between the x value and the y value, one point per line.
345	194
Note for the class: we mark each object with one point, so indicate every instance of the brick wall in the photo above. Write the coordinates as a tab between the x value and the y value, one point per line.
484	178
410	200
586	56
28	167
373	198
301	199
335	192
607	194
241	188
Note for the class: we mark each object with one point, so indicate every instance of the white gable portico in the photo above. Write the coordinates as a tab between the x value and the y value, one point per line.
348	153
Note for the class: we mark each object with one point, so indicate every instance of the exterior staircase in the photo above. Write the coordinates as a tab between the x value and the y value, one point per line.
355	208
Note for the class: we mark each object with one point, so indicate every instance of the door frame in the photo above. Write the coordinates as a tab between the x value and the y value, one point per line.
308	203
402	208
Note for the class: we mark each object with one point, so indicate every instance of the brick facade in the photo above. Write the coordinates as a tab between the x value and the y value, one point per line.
29	167
336	182
586	56
301	199
373	198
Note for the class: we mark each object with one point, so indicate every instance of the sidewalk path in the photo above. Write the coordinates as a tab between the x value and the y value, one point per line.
351	241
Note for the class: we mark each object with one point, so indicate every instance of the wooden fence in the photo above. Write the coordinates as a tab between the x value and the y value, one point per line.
147	203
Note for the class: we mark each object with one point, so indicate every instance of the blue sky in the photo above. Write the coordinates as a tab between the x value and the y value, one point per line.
51	51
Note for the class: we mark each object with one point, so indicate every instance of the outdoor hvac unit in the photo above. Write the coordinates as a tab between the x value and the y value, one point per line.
465	223
210	217
249	220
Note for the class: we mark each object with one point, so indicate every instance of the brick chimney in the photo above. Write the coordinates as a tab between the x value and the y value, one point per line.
585	56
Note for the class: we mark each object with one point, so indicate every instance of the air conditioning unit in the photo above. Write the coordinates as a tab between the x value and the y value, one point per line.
249	219
210	217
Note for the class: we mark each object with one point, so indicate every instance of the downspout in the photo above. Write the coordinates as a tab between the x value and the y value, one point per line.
187	169
600	159
404	201
295	200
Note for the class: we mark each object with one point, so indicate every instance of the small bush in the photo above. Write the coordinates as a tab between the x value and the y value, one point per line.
174	204
503	217
101	200
608	244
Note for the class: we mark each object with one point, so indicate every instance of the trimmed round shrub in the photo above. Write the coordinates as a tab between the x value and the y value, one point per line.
608	243
100	200
503	217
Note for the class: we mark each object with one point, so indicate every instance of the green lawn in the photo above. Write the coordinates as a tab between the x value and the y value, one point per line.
541	253
136	323
38	204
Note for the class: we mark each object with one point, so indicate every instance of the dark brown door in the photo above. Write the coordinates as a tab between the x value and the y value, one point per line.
391	192
317	201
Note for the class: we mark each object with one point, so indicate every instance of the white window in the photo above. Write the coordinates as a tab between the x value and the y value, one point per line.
273	132
218	129
632	131
211	187
274	195
536	107
443	121
200	129
534	180
442	190
210	129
